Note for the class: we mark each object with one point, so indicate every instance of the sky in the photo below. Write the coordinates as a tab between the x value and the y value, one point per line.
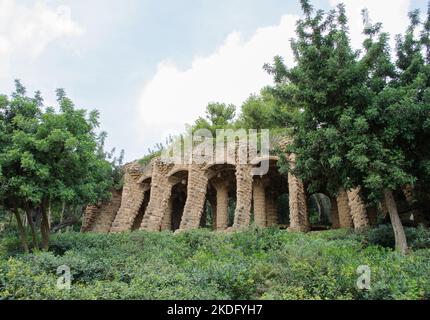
152	66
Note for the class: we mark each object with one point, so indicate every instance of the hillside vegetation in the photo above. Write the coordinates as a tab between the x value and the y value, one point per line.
254	264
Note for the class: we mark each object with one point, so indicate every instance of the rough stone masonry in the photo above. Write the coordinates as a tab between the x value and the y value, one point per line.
164	196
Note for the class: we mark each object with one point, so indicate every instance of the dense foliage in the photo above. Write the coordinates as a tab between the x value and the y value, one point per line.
364	118
255	264
49	157
358	119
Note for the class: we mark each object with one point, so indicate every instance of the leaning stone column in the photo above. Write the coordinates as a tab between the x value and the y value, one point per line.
161	190
259	204
109	210
242	215
345	219
166	223
358	209
221	206
196	197
132	199
299	220
92	212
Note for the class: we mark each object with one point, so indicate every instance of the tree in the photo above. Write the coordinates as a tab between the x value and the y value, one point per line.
48	157
263	111
350	132
218	116
323	86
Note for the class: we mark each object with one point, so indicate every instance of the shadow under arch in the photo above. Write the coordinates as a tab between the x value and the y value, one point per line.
321	214
270	195
178	179
220	202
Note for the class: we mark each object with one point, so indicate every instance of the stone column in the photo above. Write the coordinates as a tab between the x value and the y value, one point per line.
196	197
271	210
345	219
242	215
166	224
221	206
259	204
335	223
299	220
92	212
358	209
109	210
161	191
132	199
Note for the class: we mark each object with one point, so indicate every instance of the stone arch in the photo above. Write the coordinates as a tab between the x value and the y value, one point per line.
299	219
196	197
177	170
221	194
108	212
178	179
132	199
257	161
161	189
322	213
212	170
267	193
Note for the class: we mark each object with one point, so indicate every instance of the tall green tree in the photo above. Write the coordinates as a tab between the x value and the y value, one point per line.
355	128
218	116
49	156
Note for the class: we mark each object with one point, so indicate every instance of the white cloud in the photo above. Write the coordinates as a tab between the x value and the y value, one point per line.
175	97
29	30
393	14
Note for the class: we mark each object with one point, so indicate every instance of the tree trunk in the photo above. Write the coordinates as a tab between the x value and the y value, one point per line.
63	210
64	224
399	232
21	230
32	228
45	229
49	215
24	221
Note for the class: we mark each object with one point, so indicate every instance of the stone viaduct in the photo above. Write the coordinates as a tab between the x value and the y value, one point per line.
164	196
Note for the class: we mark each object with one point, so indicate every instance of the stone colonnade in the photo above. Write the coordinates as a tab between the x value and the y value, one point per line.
152	195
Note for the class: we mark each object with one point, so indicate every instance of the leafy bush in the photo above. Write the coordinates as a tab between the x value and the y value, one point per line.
383	235
253	264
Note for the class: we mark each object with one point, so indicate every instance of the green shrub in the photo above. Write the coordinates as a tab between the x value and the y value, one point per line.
253	264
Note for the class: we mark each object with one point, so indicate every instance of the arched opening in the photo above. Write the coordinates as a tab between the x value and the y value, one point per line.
147	196
271	198
220	203
321	215
178	199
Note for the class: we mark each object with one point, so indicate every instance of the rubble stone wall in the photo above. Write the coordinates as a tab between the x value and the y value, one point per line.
161	189
205	185
132	200
345	219
358	209
196	197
